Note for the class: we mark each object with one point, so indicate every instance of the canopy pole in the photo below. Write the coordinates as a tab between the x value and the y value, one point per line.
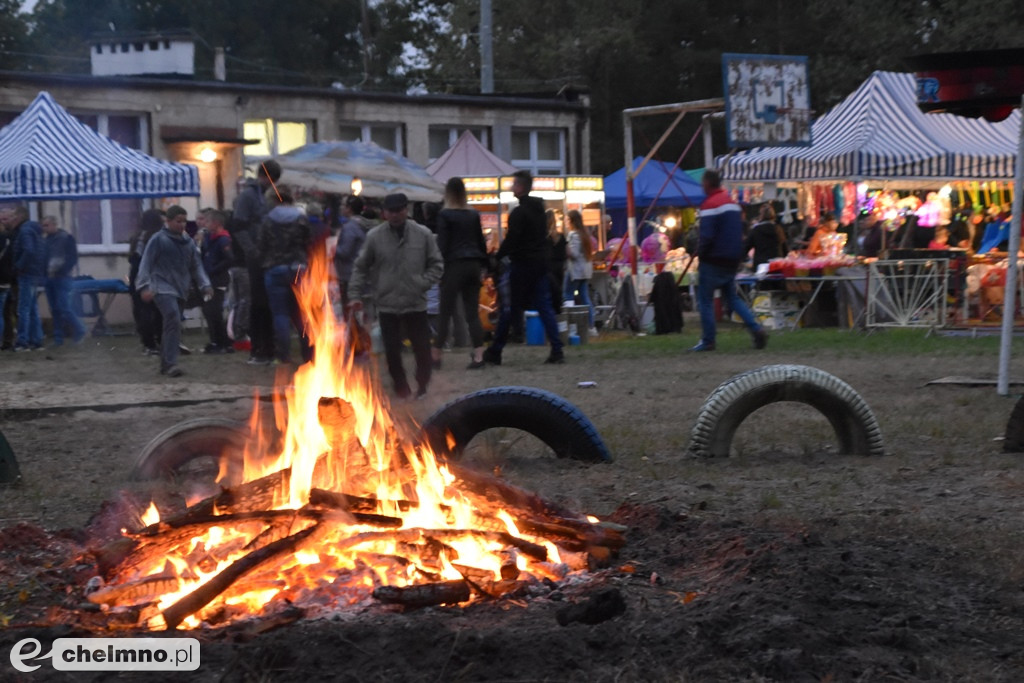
627	125
709	155
1010	298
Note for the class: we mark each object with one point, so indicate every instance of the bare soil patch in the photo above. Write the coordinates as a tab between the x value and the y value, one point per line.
784	562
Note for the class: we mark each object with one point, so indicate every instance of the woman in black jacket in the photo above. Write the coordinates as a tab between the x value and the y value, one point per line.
766	238
460	239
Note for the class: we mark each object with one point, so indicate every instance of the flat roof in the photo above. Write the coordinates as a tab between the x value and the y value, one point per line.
178	83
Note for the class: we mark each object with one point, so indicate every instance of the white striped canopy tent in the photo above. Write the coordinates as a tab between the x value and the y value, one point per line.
878	133
46	153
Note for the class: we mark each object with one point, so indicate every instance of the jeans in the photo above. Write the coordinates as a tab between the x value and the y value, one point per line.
417	329
30	328
4	292
460	278
169	306
58	295
213	311
284	311
581	287
709	278
261	323
528	286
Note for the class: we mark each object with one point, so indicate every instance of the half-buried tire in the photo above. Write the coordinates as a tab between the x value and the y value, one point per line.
174	449
549	417
1014	442
733	401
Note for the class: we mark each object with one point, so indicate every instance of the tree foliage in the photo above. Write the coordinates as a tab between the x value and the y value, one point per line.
625	53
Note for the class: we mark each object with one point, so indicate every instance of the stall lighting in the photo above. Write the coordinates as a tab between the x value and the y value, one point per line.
670	222
207	155
357	186
946	191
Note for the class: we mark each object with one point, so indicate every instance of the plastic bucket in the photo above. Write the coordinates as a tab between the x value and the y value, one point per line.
534	329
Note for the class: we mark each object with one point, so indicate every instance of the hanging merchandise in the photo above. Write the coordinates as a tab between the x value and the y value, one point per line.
849	213
808	207
790	201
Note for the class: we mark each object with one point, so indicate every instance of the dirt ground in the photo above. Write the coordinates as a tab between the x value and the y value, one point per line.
784	562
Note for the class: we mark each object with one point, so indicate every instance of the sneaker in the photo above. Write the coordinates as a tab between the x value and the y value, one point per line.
421	393
592	332
173	371
760	339
214	349
476	364
184	350
702	346
150	351
403	392
21	347
256	360
492	356
556	358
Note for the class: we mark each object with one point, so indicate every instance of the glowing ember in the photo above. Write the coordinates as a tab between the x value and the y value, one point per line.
347	507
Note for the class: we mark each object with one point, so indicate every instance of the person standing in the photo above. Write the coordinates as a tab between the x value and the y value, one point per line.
6	267
766	238
460	239
721	252
528	248
218	257
556	261
400	261
145	313
351	237
61	259
250	208
581	266
30	272
170	264
284	243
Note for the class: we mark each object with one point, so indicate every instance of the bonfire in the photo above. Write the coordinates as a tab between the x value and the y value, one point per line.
346	507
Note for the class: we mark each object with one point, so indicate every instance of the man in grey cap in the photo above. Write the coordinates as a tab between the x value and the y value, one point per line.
401	261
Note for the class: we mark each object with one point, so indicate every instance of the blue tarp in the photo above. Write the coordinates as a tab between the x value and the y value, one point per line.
681	191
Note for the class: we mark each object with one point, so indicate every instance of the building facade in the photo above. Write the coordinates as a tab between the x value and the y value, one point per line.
226	128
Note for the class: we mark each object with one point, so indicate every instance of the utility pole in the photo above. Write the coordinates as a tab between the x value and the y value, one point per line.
486	48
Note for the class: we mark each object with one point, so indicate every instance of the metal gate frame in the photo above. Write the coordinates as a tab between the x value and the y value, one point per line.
907	293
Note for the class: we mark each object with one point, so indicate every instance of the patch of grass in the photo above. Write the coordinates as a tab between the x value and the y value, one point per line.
771	501
805	343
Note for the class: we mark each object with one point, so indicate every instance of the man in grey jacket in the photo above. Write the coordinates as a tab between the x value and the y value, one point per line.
401	261
170	264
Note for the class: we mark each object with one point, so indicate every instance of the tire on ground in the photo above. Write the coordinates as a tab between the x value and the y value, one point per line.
1014	442
547	416
733	401
177	446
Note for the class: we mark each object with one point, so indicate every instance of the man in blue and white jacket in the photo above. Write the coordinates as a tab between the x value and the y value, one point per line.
721	253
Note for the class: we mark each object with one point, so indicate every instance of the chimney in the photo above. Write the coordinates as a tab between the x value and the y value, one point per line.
220	70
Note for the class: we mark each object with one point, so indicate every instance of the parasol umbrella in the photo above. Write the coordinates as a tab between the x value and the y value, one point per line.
331	166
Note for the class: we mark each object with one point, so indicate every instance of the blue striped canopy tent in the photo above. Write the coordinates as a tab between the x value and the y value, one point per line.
46	153
878	133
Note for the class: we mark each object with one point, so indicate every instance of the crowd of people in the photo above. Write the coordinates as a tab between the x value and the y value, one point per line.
241	267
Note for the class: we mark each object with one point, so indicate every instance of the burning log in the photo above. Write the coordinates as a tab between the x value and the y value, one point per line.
259	494
423	595
135	593
205	594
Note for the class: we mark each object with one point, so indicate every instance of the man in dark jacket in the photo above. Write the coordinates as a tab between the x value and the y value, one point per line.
721	252
61	259
250	208
30	271
170	264
218	258
528	248
6	269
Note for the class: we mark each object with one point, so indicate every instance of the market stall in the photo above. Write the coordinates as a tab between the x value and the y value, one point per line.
899	180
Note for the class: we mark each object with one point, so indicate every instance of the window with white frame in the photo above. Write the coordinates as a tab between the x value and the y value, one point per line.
443	137
541	151
385	135
106	225
275	137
